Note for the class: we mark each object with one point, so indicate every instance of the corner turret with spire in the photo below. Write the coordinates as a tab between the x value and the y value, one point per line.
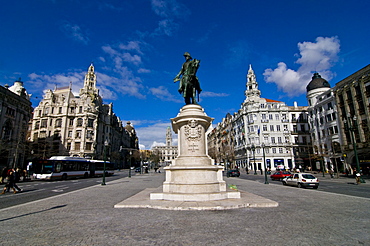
89	89
252	92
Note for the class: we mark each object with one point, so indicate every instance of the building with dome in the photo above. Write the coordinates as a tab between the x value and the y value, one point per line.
80	125
15	114
324	130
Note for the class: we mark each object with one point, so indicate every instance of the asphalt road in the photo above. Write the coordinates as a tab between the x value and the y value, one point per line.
38	189
341	185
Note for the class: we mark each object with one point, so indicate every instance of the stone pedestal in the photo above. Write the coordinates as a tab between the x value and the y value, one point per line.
192	176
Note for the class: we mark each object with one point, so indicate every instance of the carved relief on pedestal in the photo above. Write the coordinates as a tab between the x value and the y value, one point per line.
193	134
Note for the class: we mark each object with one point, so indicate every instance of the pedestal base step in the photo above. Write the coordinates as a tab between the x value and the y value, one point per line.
193	197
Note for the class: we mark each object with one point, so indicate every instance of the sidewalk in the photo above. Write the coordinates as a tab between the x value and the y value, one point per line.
88	217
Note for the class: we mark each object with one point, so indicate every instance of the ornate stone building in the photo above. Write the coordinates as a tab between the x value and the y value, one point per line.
168	152
15	113
262	126
65	124
352	95
323	119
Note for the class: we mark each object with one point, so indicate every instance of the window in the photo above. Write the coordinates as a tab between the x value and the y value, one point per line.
79	121
77	146
90	134
80	109
72	110
270	116
295	129
88	146
78	134
278	128
271	128
71	122
280	150
264	128
90	123
263	116
277	117
279	140
60	110
304	140
274	150
44	123
58	123
273	140
69	134
37	125
68	146
285	127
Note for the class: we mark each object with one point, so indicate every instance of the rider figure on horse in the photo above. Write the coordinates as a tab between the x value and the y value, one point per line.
189	83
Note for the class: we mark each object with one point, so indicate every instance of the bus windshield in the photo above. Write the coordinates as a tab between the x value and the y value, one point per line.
46	168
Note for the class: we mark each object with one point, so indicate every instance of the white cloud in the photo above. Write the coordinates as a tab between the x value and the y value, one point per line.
170	11
319	56
44	82
134	59
143	70
132	45
75	32
166	27
162	93
213	94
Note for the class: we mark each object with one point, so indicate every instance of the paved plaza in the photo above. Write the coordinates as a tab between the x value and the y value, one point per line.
88	217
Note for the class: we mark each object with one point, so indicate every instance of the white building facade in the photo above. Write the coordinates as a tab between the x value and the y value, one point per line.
168	152
265	131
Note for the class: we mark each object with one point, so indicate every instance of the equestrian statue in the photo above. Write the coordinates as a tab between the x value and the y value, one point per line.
189	83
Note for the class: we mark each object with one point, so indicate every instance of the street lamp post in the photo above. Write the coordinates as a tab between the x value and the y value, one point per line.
227	164
351	128
105	160
129	170
254	159
264	162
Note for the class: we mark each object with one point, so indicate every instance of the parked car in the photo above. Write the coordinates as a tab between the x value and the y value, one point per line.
138	169
301	180
279	175
233	173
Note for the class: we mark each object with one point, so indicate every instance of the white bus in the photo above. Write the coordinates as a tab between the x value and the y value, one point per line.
64	167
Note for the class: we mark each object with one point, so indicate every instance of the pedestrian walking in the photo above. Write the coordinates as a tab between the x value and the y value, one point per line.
358	177
17	178
10	183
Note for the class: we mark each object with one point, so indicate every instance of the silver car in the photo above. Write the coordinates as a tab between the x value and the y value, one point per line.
301	180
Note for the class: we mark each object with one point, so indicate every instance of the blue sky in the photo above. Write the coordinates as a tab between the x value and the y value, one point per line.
137	48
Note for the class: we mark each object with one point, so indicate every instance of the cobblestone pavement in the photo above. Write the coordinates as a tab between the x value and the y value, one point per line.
88	217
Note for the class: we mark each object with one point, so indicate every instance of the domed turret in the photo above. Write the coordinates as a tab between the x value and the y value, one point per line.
317	82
